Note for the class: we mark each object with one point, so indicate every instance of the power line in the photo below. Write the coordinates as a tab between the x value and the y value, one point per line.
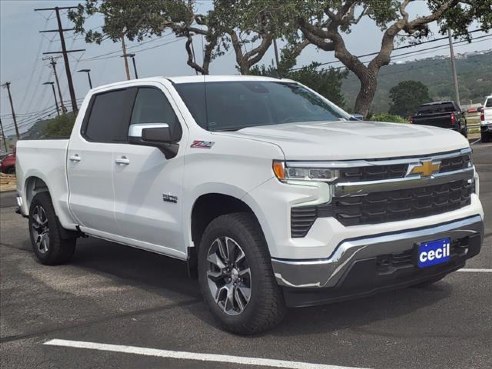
403	47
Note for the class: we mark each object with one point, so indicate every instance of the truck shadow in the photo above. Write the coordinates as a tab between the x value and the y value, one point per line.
162	275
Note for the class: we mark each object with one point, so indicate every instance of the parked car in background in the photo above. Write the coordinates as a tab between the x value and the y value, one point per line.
444	114
486	119
7	165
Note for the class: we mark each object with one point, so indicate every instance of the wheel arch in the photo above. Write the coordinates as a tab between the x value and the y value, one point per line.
205	209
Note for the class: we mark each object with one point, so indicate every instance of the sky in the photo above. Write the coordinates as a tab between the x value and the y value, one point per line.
22	45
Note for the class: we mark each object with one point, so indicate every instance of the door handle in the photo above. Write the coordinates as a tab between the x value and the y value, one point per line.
75	158
122	161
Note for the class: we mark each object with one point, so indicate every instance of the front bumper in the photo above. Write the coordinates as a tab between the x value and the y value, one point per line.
366	265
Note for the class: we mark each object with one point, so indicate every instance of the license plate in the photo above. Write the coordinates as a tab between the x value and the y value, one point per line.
433	252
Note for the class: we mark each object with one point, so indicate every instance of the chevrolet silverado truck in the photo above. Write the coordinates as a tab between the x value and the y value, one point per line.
272	195
444	114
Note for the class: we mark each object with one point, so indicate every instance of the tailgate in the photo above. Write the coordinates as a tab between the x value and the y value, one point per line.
442	120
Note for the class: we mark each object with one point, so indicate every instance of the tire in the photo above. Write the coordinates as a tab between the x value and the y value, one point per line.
46	233
464	132
429	282
10	170
256	302
485	137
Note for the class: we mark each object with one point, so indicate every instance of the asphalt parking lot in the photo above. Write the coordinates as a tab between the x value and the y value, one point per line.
147	308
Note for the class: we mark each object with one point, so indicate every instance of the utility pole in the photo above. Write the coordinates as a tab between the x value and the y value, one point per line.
123	46
453	68
64	51
275	48
54	95
133	61
7	85
53	65
3	136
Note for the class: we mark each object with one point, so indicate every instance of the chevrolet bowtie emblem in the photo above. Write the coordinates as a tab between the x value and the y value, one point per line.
425	168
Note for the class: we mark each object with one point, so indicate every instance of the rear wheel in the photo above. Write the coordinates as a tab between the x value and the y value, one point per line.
485	137
236	277
46	232
10	170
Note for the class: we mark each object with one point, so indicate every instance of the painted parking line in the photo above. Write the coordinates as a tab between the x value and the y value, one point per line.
192	355
478	270
474	142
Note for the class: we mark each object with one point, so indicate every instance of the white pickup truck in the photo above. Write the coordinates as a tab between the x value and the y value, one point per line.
274	196
486	120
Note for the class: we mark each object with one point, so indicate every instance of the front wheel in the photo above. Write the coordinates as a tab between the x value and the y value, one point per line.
46	232
236	277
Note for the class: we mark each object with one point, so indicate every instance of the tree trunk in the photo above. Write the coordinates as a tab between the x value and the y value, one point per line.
368	86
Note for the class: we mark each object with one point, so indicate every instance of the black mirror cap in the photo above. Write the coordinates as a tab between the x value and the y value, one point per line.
158	134
161	138
479	109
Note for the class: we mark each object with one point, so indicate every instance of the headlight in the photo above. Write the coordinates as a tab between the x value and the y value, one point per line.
292	171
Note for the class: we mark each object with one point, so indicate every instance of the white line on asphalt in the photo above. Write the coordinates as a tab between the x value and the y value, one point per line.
192	355
475	270
474	142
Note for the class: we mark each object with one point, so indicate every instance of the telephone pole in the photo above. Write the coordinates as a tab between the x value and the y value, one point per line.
133	61
7	85
123	46
275	48
53	65
64	50
3	136
453	68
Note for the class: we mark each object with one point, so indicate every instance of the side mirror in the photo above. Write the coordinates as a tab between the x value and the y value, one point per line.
357	117
480	109
158	135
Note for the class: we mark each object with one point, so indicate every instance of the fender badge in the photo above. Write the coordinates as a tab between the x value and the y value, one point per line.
169	198
202	144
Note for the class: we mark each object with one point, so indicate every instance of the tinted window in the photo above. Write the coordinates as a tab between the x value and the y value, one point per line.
236	105
437	108
488	104
108	119
152	106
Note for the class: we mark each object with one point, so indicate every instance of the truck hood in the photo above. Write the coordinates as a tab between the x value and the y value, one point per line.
350	140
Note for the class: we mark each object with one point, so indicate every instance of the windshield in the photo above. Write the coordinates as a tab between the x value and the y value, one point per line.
230	106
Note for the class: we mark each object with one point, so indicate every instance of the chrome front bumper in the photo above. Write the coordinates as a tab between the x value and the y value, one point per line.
326	273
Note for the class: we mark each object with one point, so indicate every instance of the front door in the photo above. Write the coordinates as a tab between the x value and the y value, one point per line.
147	186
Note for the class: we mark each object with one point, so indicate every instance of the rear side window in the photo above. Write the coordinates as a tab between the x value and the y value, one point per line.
488	104
437	108
152	107
108	117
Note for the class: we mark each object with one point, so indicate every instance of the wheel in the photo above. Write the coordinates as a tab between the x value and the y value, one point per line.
464	132
485	137
45	231
428	282
10	170
236	277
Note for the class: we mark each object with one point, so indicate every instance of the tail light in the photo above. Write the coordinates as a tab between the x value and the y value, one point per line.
453	119
482	116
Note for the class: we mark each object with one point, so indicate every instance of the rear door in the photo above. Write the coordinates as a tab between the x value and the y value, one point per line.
90	159
148	187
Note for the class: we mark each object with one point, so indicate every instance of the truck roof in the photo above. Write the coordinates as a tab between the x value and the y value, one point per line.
188	79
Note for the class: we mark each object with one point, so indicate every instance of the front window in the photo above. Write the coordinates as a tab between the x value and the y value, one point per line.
230	106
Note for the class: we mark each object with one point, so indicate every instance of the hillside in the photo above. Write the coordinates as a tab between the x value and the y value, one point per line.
474	75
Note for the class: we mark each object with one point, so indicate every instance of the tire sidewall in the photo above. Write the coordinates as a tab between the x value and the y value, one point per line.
43	199
229	228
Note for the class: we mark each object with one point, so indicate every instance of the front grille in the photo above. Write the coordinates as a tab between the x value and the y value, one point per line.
456	163
385	206
373	173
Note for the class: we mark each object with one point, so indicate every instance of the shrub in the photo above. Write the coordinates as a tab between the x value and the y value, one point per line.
385	117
